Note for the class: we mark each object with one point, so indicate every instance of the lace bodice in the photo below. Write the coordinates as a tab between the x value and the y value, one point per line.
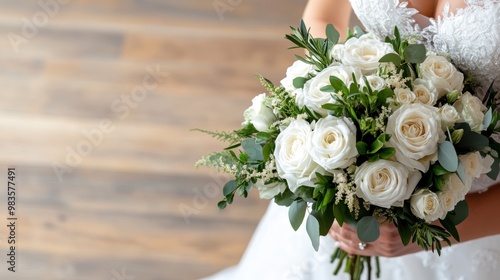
471	37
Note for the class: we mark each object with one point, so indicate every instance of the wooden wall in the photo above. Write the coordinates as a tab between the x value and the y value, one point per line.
96	102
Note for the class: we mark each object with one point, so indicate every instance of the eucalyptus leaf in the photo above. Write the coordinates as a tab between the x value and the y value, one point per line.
325	219
312	227
391	57
415	53
285	199
229	187
221	205
332	34
447	156
299	82
461	173
296	213
253	149
368	229
487	118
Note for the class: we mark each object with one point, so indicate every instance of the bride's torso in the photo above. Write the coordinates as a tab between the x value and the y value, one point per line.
468	31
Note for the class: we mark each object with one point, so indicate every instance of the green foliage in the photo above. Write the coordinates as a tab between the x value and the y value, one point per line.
318	49
296	213
312	227
368	229
447	156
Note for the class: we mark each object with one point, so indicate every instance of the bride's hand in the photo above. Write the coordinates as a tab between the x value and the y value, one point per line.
389	243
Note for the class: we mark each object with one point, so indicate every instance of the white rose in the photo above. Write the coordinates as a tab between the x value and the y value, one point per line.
425	205
376	82
338	51
314	98
385	183
260	114
442	74
268	191
404	95
449	115
446	202
415	131
298	69
474	164
365	52
293	162
333	143
425	92
471	110
454	186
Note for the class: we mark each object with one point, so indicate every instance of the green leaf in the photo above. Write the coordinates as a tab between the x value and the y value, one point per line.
471	141
312	227
391	57
415	53
253	149
262	138
286	198
327	88
495	169
447	156
376	146
387	152
267	150
296	213
299	82
330	193
368	229
338	84
222	204
362	147
332	34
339	211
325	220
459	214
229	187
438	170
450	227
405	231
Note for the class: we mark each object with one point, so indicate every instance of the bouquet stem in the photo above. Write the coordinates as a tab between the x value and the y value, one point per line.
354	265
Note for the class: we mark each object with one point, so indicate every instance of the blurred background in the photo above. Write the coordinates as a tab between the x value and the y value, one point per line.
97	101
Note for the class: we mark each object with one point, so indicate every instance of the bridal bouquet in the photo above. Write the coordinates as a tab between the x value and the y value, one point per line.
364	132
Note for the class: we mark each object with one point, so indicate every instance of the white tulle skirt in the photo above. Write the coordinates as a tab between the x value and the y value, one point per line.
276	251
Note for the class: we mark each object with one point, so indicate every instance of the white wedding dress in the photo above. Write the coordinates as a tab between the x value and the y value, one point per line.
472	38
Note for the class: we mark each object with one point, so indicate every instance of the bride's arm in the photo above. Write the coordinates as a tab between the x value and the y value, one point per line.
319	13
483	220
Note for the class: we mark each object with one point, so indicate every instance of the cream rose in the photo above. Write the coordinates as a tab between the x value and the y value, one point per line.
449	115
260	114
425	92
298	69
442	74
293	162
269	191
475	165
454	186
376	82
404	95
415	131
471	109
365	52
385	183
333	143
425	205
314	98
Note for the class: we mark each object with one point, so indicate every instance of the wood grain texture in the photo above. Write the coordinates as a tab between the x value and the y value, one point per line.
96	107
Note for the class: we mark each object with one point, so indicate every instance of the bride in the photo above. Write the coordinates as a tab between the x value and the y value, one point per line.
469	30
